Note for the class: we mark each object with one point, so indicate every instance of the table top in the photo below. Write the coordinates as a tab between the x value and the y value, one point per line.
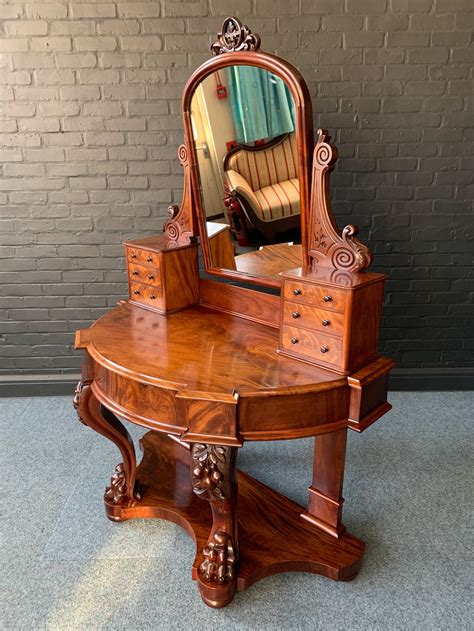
198	349
270	260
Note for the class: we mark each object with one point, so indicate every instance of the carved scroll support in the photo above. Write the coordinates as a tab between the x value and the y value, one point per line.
179	228
328	246
213	479
123	490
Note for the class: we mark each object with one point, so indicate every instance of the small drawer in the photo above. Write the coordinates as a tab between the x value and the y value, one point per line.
142	274
317	295
145	294
136	255
312	344
311	318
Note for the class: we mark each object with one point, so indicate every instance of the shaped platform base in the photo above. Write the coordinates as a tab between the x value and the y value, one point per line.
273	537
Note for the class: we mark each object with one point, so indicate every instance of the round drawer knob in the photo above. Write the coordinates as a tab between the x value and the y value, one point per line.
136	292
150	277
326	322
153	297
297	292
295	314
327	298
133	256
149	259
294	340
135	272
324	349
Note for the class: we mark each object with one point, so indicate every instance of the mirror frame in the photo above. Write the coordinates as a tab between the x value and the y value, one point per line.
246	53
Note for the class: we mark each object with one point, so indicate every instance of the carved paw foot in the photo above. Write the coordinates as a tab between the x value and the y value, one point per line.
218	565
116	492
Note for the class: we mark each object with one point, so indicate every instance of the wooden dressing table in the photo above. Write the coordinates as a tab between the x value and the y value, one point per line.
207	366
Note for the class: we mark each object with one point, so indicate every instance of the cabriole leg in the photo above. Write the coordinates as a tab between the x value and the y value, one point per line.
213	479
325	493
123	490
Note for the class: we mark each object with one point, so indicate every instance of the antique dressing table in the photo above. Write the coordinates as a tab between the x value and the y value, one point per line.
207	365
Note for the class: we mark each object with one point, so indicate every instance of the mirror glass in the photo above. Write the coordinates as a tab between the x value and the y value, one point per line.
244	128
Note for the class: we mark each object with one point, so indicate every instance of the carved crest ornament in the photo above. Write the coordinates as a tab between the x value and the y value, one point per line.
235	37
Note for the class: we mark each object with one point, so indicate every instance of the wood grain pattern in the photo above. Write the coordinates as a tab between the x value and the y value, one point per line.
352	302
329	246
313	344
210	377
270	260
325	321
273	538
245	303
368	401
144	363
162	278
124	487
325	493
220	245
328	298
143	274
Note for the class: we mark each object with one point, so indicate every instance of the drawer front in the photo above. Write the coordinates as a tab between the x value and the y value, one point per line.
324	348
142	274
313	318
319	296
146	294
136	255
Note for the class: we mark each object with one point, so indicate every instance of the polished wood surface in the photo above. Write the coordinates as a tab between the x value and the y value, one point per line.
333	324
273	537
197	348
161	277
240	302
180	373
328	246
325	493
220	244
208	366
270	260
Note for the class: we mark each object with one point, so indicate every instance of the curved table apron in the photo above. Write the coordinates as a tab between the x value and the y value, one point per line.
205	382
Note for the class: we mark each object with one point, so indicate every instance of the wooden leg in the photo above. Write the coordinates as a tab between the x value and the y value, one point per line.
213	478
124	488
325	493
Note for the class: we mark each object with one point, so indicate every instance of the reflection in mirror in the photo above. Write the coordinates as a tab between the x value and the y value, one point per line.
244	130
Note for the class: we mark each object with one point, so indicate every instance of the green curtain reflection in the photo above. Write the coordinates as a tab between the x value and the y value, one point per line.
262	105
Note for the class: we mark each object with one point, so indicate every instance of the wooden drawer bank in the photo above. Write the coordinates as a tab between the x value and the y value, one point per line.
160	277
331	318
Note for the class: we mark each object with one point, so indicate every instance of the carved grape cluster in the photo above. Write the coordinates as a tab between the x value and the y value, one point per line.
207	475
